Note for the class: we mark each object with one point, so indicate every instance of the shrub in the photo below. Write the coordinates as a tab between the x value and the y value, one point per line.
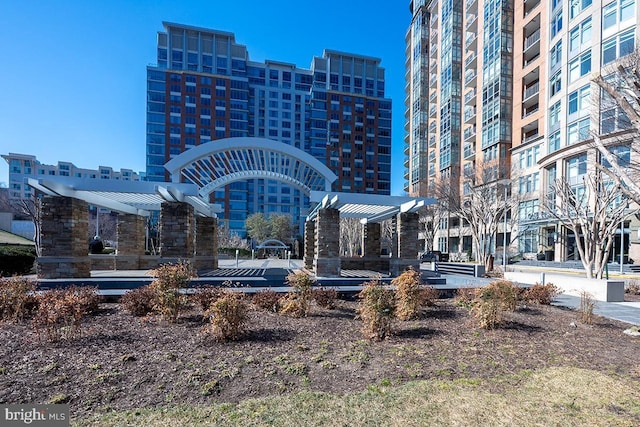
376	309
139	301
267	300
16	260
227	316
204	296
61	311
541	294
488	307
465	297
587	305
428	296
632	288
169	278
508	293
296	303
17	298
407	294
325	298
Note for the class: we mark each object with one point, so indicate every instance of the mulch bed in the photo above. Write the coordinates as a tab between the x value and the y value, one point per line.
123	362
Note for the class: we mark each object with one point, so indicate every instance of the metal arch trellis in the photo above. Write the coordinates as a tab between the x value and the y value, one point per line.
218	163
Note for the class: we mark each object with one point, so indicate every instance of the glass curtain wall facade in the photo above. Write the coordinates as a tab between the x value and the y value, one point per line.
204	88
469	96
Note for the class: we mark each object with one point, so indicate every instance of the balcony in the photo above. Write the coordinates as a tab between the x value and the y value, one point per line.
531	91
471	60
472	6
469	151
469	96
432	97
469	77
472	23
432	111
432	127
526	112
432	141
469	114
469	132
470	40
433	52
434	37
532	39
530	5
433	80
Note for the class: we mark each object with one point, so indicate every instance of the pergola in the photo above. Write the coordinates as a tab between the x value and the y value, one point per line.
322	231
187	228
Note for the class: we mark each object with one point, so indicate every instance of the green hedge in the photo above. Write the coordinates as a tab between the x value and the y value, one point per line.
16	260
243	253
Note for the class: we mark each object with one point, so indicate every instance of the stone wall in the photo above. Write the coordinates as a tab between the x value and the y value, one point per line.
131	234
64	227
309	243
371	241
327	250
176	230
206	244
408	225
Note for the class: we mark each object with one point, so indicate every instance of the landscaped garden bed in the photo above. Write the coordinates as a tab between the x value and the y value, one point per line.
118	362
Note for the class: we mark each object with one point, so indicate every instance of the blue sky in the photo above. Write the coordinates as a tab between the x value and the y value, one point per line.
72	80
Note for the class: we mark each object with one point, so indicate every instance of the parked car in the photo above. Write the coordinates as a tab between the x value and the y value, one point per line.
434	256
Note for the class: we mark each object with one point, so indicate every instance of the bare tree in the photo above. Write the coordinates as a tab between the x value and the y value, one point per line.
350	236
430	216
229	239
619	110
30	208
592	211
388	234
482	205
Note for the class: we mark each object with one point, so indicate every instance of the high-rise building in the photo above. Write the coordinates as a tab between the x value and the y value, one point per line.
562	45
510	83
205	88
23	166
459	94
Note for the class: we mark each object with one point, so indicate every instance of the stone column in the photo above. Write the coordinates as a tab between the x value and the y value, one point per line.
176	231
309	243
327	243
131	241
64	239
407	227
372	248
206	243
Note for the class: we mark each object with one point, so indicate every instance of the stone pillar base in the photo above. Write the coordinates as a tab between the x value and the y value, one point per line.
327	267
205	263
398	266
127	262
102	262
49	267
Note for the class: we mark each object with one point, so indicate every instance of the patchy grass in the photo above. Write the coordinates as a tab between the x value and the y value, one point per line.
553	396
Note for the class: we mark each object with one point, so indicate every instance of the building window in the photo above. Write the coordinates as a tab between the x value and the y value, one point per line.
556	23
556	54
554	142
616	12
620	152
576	168
580	35
554	114
580	66
577	6
579	99
618	46
578	131
555	83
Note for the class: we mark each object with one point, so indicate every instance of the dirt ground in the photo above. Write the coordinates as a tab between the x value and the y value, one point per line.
123	362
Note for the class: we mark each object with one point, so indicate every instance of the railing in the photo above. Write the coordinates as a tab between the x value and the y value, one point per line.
531	90
532	39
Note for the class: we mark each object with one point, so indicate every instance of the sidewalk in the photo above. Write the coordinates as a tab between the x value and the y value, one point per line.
628	312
